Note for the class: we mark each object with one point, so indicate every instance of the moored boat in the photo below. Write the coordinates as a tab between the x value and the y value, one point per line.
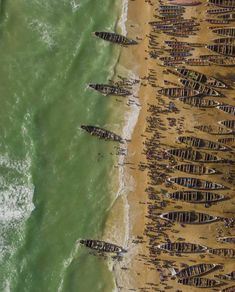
115	38
203	89
196	197
196	183
200	282
102	246
201	143
187	217
182	247
193	155
194	169
107	89
102	133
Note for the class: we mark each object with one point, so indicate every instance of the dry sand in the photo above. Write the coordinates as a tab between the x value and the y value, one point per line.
136	272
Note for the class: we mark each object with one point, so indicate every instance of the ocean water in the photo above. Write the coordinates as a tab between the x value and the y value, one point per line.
56	181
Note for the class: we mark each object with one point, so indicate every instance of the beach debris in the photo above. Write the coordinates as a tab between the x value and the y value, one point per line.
102	246
188	217
115	38
102	133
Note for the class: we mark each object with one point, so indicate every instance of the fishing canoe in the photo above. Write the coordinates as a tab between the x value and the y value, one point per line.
214	130
182	247
178	92
223	3
203	89
115	38
199	102
102	246
229	109
202	143
102	133
196	270
107	89
194	169
200	282
223	49
222	252
196	183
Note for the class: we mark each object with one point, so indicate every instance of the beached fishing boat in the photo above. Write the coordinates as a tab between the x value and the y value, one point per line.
171	7
228	124
223	3
223	49
199	102
227	141
194	169
195	271
220	10
225	31
201	143
228	289
102	246
193	155
186	2
217	21
214	130
229	16
196	197
115	38
228	40
196	183
187	217
222	252
203	89
229	277
107	89
200	282
229	109
200	77
196	62
102	133
182	247
180	54
227	239
178	92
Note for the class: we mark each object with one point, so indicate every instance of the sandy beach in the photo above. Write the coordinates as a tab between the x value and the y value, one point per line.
145	268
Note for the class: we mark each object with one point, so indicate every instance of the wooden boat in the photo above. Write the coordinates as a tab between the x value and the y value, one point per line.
196	197
195	271
223	252
199	102
217	21
229	40
219	60
194	169
214	130
115	38
102	133
223	3
225	31
200	77
200	282
196	183
193	155
180	54
220	10
230	276
186	2
196	62
182	247
228	124
171	7
178	92
202	143
228	289
229	109
223	49
228	141
227	239
229	16
106	89
203	89
187	217
102	246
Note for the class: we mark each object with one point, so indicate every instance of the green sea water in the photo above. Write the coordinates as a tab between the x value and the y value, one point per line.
55	179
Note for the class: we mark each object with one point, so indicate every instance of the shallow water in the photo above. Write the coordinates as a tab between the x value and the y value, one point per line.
54	178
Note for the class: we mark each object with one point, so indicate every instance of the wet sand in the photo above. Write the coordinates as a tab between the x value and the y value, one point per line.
141	269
